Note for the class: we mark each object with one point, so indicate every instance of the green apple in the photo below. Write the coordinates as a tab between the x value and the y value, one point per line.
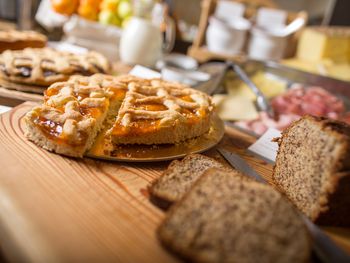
108	17
124	9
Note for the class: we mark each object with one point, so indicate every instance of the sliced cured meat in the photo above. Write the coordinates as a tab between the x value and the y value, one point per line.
295	103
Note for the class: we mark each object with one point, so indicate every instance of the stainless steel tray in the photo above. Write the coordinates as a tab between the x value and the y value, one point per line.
292	75
339	88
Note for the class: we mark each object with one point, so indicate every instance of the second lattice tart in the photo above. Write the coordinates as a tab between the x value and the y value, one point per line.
131	109
45	66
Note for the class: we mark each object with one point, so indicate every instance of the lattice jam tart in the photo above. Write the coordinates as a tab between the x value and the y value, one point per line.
131	109
45	66
159	112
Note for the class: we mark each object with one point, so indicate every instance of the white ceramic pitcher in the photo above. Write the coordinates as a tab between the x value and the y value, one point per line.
142	41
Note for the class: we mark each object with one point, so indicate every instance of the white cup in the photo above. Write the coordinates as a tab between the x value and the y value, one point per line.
227	37
267	44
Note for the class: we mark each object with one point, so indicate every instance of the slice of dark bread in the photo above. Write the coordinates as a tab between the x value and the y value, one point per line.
179	177
313	169
225	218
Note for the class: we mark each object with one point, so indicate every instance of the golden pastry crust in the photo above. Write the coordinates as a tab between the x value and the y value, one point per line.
44	66
137	111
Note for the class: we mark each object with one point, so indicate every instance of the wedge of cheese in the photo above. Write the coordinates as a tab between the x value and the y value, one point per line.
319	43
234	108
269	85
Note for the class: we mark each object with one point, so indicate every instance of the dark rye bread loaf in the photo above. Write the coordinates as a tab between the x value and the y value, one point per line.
179	177
313	169
229	218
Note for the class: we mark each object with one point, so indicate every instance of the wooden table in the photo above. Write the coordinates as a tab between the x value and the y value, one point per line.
59	209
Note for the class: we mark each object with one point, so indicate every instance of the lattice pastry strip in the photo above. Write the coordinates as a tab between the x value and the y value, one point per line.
164	97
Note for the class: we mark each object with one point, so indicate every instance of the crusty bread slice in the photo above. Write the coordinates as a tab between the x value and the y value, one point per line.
179	177
225	218
313	169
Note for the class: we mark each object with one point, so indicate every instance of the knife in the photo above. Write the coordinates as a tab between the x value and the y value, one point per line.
323	246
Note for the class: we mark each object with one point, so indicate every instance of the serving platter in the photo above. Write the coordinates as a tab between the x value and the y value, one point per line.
104	150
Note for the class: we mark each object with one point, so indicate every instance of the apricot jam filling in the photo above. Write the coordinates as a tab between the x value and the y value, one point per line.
50	92
139	127
90	111
50	128
118	94
186	98
54	131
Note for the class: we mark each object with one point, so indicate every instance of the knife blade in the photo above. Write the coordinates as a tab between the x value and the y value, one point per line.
324	247
241	165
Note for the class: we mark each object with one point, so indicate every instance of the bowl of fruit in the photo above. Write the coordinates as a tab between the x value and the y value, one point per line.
106	12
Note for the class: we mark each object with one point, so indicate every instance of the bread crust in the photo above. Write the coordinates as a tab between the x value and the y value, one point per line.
328	210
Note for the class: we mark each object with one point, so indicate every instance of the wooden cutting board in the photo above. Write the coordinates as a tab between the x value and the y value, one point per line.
58	209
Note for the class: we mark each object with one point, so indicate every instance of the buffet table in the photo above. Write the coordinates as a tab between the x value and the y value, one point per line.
56	208
59	209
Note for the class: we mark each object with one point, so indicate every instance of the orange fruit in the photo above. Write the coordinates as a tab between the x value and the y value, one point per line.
89	9
65	7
